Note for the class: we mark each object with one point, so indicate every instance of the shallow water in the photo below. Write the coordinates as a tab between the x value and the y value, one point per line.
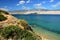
47	34
44	24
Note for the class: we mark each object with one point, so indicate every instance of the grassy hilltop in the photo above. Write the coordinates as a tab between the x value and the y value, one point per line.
12	28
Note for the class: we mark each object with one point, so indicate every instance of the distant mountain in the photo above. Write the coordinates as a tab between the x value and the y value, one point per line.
34	10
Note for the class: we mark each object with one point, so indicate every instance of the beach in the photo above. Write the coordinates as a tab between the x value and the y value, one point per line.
46	35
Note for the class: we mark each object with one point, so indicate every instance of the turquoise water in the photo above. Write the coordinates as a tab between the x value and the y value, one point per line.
43	24
48	22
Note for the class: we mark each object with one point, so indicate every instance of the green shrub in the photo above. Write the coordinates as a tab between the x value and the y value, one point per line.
23	23
9	31
2	18
29	36
2	11
18	33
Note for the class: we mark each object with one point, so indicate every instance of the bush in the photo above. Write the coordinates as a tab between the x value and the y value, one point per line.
10	31
2	11
2	18
23	23
18	33
29	36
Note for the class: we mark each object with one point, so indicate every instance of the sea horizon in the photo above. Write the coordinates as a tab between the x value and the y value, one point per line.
34	12
53	18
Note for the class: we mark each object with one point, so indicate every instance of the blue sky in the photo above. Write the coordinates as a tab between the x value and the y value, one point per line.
29	4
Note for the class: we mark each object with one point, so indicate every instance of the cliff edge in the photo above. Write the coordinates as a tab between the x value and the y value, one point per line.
12	28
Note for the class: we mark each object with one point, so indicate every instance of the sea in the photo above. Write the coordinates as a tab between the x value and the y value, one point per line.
47	25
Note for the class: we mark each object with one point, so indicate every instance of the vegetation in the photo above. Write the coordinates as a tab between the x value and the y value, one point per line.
16	33
30	37
25	25
2	18
1	11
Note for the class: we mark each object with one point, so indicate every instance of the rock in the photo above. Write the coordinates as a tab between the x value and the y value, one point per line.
29	28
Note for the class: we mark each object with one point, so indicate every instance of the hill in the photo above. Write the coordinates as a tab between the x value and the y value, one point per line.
12	28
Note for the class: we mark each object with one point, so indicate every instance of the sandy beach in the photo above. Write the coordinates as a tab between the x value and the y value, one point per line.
47	35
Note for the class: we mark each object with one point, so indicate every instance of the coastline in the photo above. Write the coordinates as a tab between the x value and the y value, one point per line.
37	12
46	35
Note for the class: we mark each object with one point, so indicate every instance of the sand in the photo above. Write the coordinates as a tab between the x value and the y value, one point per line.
47	35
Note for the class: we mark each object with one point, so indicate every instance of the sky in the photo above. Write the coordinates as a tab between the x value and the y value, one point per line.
29	4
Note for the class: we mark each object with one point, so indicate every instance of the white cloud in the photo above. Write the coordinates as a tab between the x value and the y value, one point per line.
21	2
56	5
51	0
28	1
39	6
3	9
